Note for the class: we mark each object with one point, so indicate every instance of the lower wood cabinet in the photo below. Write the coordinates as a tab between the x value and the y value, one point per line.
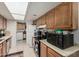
52	53
4	47
45	51
0	50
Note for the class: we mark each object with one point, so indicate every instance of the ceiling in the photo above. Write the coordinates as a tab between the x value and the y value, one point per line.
37	9
17	9
34	10
5	12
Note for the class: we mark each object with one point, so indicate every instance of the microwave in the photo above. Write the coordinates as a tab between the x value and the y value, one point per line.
59	40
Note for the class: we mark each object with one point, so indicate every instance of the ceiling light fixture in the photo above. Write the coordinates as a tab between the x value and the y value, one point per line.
17	9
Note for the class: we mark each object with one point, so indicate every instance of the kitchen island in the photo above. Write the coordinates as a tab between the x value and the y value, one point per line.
5	44
49	50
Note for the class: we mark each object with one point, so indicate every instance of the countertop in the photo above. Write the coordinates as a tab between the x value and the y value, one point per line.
64	52
4	38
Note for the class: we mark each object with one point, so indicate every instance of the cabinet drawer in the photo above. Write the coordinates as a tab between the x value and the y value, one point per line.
53	53
50	54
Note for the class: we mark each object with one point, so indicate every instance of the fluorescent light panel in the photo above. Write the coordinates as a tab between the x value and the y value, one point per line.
17	9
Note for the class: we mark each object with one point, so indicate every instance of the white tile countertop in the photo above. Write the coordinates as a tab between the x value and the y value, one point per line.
64	52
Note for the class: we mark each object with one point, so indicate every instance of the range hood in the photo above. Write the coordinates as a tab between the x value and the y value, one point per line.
42	26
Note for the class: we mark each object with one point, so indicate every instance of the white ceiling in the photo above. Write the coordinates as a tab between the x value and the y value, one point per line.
17	9
4	11
38	9
34	8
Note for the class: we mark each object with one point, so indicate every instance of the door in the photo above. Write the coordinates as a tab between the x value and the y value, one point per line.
63	15
0	50
1	22
43	50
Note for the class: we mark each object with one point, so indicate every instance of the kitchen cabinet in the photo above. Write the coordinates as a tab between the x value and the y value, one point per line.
34	22
52	53
3	22
4	46
63	16
21	26
50	19
43	50
43	21
40	21
0	50
8	45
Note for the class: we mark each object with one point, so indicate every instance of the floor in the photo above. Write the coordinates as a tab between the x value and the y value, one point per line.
22	46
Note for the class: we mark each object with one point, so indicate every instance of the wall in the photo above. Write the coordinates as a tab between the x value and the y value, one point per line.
11	26
76	33
30	32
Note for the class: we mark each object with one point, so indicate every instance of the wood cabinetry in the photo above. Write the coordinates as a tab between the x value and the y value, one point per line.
50	19
45	51
52	53
63	16
0	49
4	47
43	20
3	22
21	26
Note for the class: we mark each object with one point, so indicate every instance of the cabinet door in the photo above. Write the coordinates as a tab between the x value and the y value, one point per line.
43	50
8	44
4	23
47	20
58	16
50	19
67	21
4	48
63	15
52	53
43	22
1	22
0	50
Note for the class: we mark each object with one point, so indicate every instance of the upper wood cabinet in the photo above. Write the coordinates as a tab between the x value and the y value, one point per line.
63	16
50	19
43	20
21	26
3	22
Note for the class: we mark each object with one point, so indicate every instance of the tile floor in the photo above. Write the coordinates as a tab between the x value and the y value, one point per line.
22	46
